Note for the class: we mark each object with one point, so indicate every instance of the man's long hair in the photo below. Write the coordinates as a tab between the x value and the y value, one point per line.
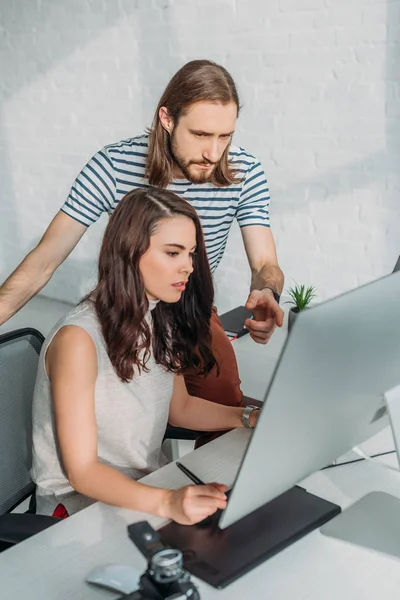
180	337
197	81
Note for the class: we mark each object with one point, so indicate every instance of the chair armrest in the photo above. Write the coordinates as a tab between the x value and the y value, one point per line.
179	433
247	400
15	528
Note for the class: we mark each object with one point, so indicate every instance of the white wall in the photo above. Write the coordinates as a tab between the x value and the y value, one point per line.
320	85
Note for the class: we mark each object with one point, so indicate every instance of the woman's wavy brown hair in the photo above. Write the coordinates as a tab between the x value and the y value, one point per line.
180	337
197	81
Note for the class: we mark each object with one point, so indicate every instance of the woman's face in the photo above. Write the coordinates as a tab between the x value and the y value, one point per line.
168	262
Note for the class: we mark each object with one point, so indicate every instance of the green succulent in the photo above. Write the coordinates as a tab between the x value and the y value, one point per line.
301	296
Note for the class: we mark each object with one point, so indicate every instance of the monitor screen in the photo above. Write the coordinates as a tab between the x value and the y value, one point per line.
326	394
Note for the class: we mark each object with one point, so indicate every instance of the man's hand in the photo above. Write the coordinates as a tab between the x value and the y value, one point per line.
267	315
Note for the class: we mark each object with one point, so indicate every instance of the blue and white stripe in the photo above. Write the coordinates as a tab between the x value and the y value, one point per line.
118	168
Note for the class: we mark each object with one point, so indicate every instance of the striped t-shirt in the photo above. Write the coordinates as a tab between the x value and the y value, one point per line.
119	168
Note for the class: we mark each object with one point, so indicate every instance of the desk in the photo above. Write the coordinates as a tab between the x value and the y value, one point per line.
53	564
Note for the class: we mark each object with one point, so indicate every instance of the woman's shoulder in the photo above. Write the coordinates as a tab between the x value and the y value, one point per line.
79	327
72	350
83	315
84	311
72	335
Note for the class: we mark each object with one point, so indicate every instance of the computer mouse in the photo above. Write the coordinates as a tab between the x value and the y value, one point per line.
120	578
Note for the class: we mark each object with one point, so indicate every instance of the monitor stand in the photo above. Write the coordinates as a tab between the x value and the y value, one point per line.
220	556
373	521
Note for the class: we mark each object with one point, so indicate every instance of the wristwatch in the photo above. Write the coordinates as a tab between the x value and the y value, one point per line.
246	415
275	293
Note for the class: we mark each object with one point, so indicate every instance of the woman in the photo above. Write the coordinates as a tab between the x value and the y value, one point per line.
110	372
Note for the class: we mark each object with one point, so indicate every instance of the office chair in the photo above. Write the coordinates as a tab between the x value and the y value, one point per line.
171	438
19	355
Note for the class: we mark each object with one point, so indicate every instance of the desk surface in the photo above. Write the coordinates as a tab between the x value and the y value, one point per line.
54	563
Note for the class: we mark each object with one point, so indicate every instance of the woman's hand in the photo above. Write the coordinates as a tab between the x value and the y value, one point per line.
193	503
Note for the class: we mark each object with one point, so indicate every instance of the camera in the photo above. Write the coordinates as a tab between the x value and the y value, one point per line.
165	577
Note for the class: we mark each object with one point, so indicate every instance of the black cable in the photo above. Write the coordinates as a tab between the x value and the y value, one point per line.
349	462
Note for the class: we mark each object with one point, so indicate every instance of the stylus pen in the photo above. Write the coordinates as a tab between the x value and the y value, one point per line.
189	474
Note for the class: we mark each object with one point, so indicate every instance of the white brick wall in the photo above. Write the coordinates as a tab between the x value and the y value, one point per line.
320	84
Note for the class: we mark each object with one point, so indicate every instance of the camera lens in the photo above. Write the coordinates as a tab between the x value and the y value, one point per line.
166	565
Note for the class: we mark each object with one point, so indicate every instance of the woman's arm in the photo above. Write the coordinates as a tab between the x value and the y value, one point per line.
202	415
71	363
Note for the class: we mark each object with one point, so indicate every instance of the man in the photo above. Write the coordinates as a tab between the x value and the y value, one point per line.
188	150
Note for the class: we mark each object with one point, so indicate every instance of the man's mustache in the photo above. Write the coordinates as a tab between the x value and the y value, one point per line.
202	162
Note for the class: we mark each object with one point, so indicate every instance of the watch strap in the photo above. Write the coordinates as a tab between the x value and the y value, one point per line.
246	415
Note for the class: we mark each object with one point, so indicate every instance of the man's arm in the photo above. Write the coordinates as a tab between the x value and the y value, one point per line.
266	278
38	266
261	254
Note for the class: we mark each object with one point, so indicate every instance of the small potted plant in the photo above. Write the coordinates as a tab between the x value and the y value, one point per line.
301	297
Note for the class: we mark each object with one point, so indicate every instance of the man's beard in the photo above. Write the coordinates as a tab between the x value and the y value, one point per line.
184	165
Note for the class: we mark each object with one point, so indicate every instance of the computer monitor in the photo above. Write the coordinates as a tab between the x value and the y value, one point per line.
325	397
326	394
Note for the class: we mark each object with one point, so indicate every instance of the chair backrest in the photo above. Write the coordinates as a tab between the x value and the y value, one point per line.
19	355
